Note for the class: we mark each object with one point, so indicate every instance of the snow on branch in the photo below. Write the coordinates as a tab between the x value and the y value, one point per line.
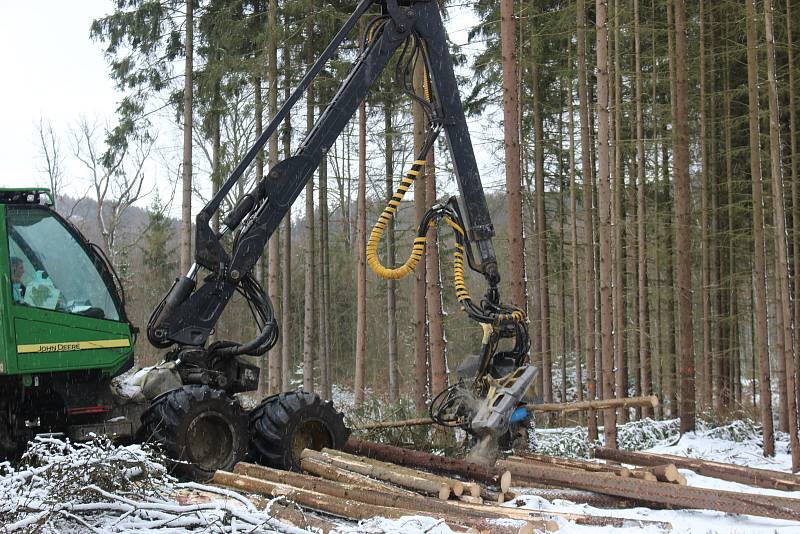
99	487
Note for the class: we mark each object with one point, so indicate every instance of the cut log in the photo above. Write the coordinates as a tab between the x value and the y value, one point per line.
580	519
604	521
395	424
581	406
666	473
431	462
655	492
289	513
387	474
343	500
565	407
331	472
762	478
598	500
521	456
456	486
643	474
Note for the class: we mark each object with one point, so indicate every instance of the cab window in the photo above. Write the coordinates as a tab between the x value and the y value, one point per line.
51	270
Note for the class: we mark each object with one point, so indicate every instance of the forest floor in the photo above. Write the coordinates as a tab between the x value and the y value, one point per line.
62	487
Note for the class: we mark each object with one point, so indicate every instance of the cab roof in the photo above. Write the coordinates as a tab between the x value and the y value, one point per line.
26	195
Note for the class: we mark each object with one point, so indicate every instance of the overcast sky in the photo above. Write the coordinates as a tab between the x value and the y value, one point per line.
51	70
54	72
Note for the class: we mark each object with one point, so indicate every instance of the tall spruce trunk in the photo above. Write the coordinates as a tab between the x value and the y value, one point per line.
588	219
617	210
421	386
516	251
604	217
759	252
574	270
706	384
433	291
794	163
562	303
275	355
541	237
186	182
391	285
258	269
683	238
286	287
309	319
641	224
323	284
361	258
782	267
727	299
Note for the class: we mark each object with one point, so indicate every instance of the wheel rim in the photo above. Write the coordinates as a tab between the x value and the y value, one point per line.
311	434
210	441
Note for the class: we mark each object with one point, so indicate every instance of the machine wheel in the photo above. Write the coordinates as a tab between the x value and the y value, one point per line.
285	424
200	427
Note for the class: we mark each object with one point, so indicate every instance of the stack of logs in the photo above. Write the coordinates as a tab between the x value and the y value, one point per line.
370	479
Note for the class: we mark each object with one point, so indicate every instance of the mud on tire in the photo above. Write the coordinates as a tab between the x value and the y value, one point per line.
285	424
198	425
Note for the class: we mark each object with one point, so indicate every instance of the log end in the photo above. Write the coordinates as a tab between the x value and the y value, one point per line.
444	491
458	488
505	481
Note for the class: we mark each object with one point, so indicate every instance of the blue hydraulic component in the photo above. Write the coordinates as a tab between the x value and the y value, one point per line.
520	414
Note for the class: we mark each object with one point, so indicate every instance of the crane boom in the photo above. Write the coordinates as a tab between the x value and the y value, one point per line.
189	313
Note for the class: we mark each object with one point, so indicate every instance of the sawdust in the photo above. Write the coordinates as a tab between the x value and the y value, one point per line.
485	451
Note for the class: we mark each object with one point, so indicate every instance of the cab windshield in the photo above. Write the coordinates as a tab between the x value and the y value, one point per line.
50	269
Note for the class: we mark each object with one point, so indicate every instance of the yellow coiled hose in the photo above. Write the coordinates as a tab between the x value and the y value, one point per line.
417	251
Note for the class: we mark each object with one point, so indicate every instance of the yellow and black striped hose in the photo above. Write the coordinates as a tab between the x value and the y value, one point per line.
417	251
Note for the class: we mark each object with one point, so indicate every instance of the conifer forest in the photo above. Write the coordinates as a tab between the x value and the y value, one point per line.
640	160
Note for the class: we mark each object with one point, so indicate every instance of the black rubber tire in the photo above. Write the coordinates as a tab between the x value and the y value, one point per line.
202	428
285	424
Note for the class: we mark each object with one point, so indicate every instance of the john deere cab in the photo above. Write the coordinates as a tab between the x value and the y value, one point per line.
63	328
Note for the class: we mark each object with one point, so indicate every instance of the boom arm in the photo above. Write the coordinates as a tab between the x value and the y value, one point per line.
190	311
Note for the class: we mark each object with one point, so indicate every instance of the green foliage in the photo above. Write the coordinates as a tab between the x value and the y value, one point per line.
569	442
142	39
646	433
422	437
157	256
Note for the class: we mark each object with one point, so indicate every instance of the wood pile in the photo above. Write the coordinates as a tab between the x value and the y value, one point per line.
761	478
375	480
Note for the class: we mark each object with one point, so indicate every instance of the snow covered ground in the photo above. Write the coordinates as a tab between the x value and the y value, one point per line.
90	488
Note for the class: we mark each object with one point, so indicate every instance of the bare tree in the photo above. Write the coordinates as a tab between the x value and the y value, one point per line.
52	156
117	179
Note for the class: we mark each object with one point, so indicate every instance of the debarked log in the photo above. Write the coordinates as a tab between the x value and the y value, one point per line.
656	492
762	478
345	501
431	462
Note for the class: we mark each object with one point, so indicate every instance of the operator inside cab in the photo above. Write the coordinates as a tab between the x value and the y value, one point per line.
17	284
